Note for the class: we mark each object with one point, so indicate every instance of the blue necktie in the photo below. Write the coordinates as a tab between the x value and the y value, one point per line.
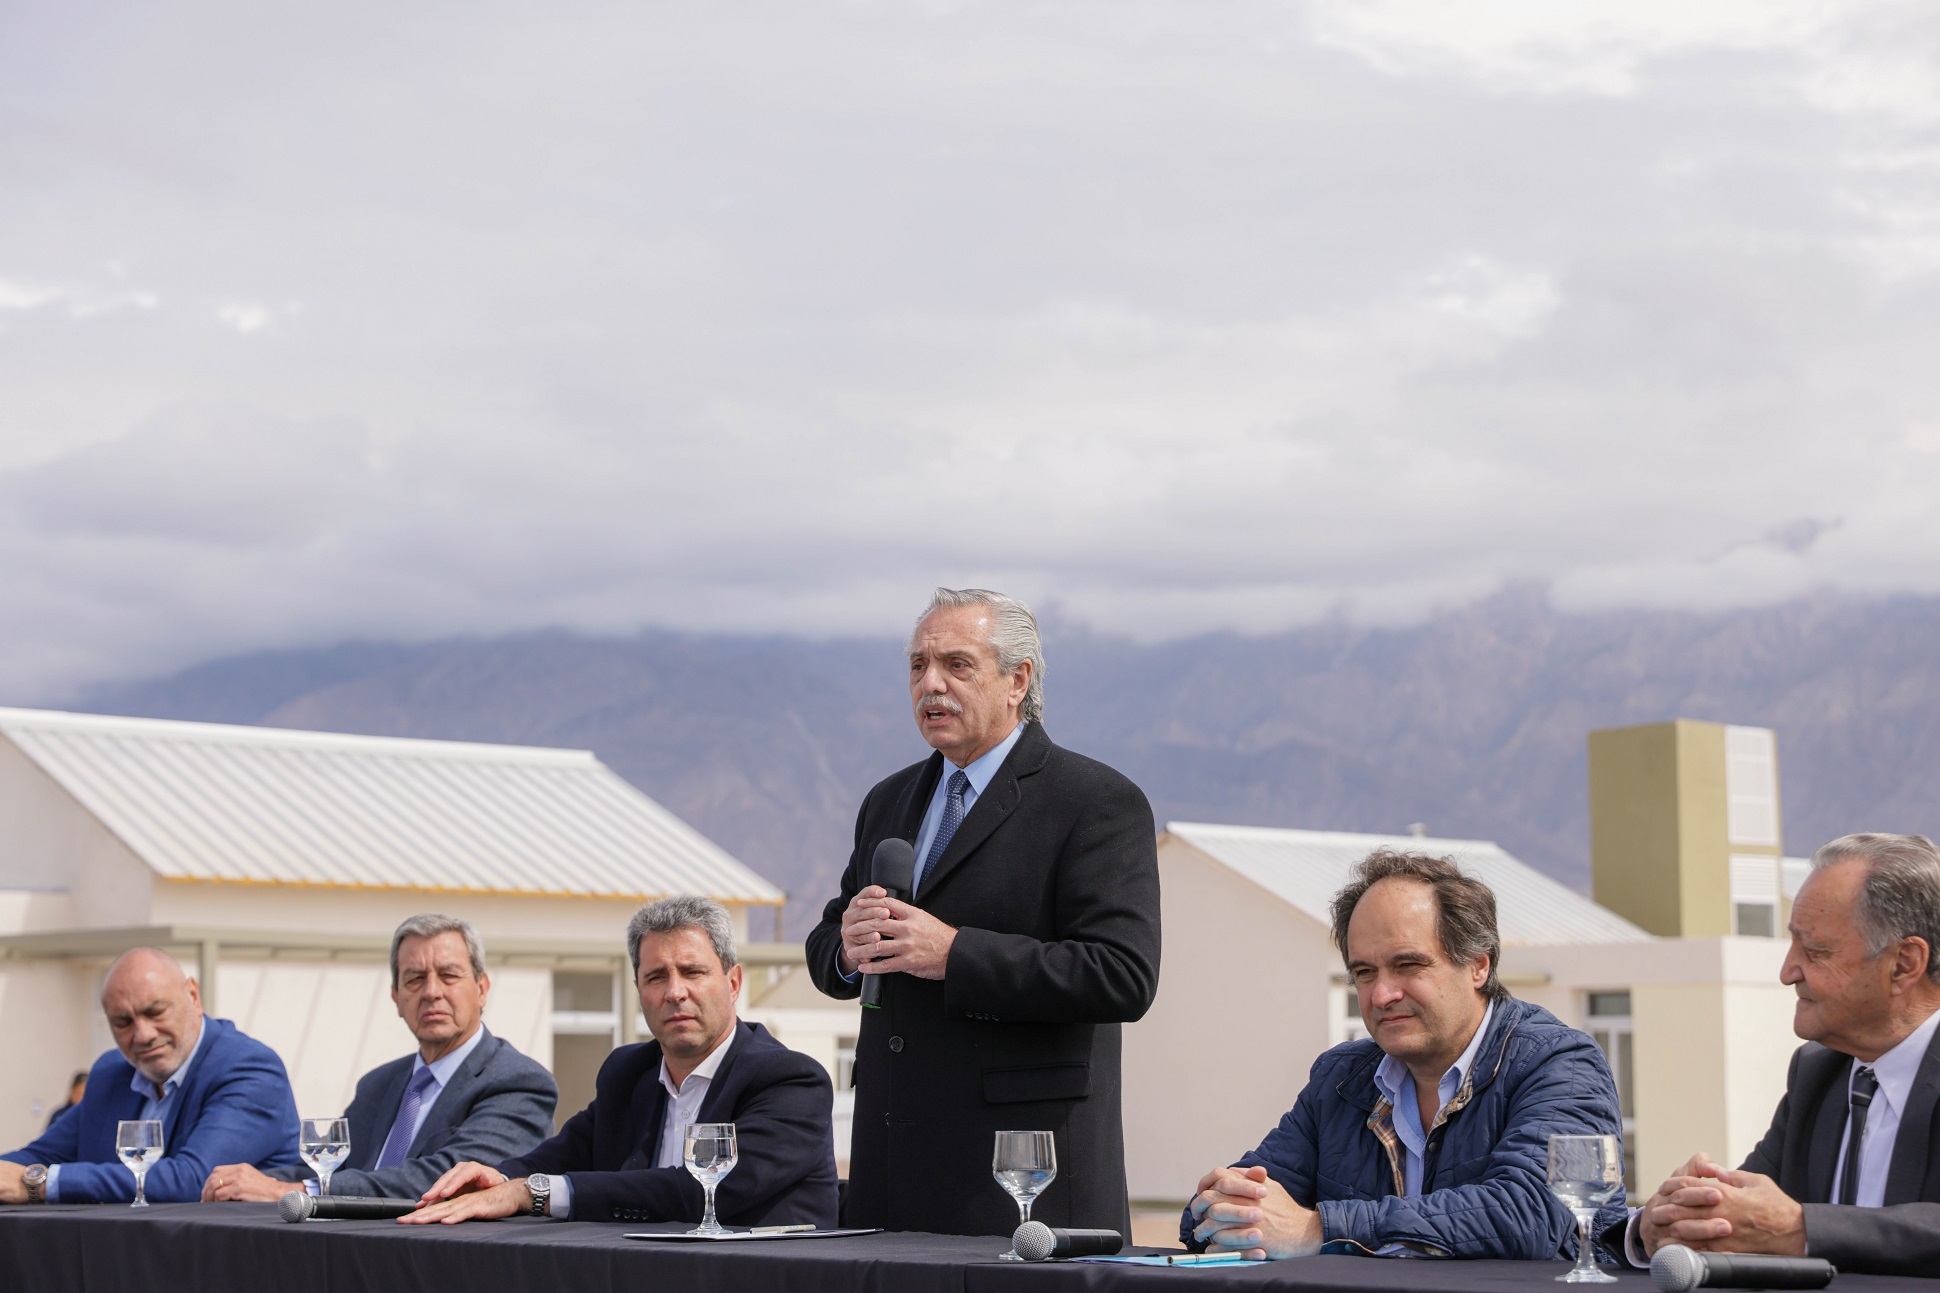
947	828
404	1130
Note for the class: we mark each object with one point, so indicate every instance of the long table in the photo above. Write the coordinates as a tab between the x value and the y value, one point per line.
248	1248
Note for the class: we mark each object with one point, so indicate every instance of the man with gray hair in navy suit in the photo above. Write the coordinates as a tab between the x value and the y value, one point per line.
464	1094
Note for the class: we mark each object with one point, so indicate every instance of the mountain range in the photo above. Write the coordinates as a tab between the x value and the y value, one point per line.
1472	723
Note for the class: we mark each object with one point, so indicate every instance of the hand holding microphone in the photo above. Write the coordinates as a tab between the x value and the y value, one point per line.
893	868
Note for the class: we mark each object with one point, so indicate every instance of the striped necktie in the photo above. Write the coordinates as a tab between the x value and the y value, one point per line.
1864	1085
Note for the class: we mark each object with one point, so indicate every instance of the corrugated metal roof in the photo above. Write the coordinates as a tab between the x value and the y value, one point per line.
202	801
1306	868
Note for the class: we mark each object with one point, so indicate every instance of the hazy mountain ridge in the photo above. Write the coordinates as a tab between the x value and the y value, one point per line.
1473	723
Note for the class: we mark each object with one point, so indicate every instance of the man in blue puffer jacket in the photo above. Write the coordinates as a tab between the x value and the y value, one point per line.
1430	1137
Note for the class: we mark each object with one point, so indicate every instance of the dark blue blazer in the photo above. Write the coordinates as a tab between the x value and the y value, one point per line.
779	1102
235	1106
499	1102
1484	1182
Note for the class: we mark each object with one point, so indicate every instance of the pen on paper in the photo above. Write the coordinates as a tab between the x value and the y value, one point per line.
1196	1259
783	1230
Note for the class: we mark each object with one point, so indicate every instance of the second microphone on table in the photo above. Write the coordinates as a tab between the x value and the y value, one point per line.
894	868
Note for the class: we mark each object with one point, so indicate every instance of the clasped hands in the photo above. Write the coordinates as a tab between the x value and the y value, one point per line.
884	935
1720	1209
1245	1211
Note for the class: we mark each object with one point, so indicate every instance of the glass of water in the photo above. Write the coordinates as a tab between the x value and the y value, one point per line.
324	1144
710	1154
1585	1172
1024	1163
138	1143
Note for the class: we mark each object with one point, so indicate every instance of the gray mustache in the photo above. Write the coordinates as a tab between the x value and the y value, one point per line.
938	700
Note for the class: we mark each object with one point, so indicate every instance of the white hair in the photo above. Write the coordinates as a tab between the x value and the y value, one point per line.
1013	636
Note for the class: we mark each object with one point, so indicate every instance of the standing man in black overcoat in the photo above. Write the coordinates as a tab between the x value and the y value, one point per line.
1032	934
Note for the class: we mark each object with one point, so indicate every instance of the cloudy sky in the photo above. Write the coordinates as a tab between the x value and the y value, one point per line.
402	321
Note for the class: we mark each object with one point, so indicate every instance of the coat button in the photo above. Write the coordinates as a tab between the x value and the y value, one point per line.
896	1044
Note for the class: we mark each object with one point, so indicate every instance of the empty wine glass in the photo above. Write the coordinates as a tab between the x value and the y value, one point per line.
1585	1172
710	1153
1024	1162
138	1143
324	1144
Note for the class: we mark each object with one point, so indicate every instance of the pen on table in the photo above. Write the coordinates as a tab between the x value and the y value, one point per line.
1198	1259
783	1230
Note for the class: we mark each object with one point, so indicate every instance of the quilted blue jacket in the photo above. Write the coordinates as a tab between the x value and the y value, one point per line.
1484	1191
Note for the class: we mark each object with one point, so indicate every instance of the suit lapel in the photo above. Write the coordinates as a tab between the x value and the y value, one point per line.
998	800
649	1107
1907	1173
367	1143
1822	1162
452	1096
710	1103
211	1040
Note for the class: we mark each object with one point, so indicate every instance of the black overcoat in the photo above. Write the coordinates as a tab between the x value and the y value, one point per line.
1052	881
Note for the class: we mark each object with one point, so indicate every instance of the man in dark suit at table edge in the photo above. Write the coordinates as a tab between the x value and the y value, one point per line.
219	1095
1032	935
463	1094
1865	927
621	1159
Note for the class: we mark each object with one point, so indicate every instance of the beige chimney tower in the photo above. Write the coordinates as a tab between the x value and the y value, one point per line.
1684	828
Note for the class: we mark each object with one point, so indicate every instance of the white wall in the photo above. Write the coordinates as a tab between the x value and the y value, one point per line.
46	1011
333	1022
1240	1016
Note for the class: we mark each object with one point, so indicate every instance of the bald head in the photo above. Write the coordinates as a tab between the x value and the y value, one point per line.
154	1010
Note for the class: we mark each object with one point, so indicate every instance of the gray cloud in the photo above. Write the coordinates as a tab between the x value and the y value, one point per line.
768	316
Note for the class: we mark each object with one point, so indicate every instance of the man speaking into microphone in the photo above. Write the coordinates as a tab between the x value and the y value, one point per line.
1030	935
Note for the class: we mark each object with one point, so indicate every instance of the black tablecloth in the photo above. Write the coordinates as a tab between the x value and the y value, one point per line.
247	1248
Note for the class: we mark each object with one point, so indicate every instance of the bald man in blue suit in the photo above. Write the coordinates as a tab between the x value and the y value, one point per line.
220	1096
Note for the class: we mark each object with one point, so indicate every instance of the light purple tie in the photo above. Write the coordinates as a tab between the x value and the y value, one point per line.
404	1130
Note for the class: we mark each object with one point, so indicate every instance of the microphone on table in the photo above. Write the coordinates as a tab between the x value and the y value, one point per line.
1035	1242
894	868
299	1206
1676	1269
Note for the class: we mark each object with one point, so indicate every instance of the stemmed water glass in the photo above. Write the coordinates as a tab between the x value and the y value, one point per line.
324	1144
1585	1172
138	1143
710	1153
1024	1162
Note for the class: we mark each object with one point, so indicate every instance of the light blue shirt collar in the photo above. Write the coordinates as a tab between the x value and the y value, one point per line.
1398	1085
445	1065
978	772
151	1102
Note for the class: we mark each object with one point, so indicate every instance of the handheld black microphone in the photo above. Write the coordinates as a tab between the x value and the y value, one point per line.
894	868
299	1206
1677	1269
1035	1242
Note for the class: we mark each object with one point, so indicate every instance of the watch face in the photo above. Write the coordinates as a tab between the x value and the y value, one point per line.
539	1183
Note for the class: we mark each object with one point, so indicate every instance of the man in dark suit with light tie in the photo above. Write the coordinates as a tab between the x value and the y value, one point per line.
464	1093
1850	1169
1032	935
621	1158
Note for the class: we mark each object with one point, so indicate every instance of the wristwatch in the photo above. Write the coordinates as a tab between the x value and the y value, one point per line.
539	1186
35	1179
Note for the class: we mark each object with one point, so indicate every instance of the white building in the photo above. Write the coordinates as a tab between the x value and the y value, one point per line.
278	863
1252	991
